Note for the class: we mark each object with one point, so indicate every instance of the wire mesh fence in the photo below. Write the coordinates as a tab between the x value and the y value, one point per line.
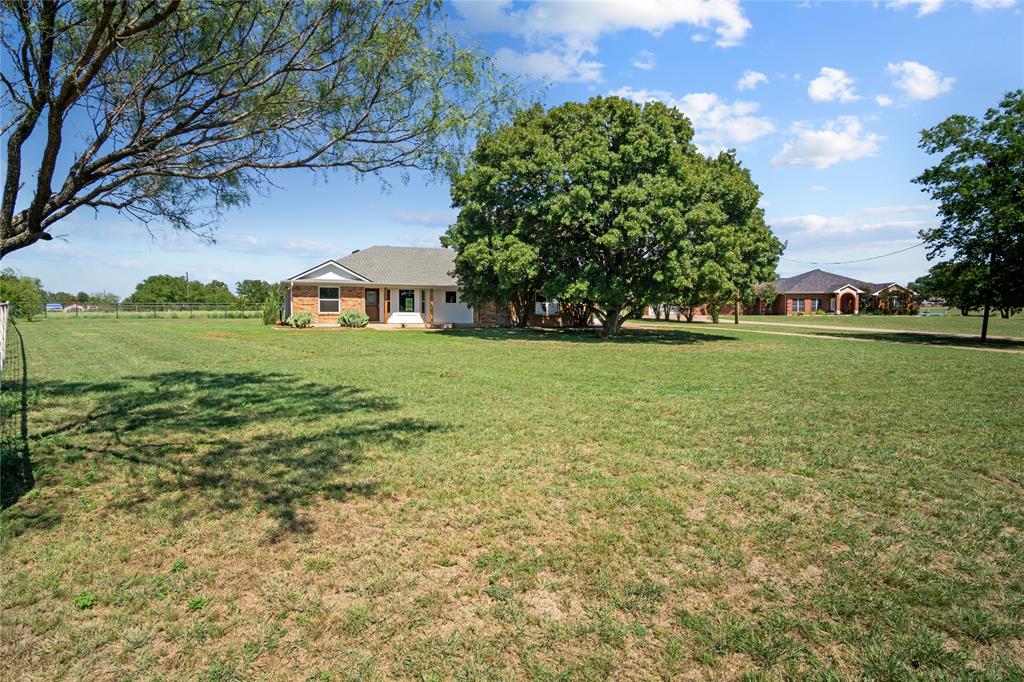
65	311
15	466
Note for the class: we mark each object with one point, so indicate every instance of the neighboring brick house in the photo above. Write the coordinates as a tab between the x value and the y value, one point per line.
394	285
819	290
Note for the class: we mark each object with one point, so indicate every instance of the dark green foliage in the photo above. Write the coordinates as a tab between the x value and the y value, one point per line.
353	318
174	289
253	291
273	306
606	206
979	184
25	294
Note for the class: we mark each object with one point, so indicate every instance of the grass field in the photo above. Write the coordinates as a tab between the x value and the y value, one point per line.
219	500
950	323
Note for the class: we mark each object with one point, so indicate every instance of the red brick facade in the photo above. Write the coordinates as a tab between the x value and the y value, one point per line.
306	299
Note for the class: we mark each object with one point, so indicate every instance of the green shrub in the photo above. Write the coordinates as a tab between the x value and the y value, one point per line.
196	603
353	318
272	306
301	320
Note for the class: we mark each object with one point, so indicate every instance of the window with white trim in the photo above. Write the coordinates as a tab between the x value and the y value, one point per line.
798	305
815	304
406	301
330	300
450	297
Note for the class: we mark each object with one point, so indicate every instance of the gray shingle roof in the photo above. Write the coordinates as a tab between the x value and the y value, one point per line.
820	282
403	265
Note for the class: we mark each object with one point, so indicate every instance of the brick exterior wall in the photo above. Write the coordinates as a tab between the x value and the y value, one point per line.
306	299
490	316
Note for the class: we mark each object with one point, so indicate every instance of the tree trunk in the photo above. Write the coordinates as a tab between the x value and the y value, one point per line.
736	310
612	322
689	314
965	311
988	296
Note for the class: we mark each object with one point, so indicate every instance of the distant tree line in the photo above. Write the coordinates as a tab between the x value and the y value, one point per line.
29	296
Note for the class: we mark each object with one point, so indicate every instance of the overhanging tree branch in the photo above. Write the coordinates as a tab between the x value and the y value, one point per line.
192	104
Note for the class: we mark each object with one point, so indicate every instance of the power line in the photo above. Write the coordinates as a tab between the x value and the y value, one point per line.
859	260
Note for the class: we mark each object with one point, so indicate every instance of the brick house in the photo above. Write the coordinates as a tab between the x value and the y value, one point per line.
819	290
395	285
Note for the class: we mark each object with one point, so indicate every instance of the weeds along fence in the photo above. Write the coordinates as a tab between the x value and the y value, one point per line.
141	311
15	466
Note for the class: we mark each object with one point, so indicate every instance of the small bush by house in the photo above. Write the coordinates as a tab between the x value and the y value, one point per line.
300	320
353	318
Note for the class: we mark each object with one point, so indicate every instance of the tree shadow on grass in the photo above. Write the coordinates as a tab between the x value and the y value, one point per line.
16	474
930	339
226	441
590	336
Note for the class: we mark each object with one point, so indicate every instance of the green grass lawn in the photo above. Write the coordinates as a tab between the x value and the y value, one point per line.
215	499
950	323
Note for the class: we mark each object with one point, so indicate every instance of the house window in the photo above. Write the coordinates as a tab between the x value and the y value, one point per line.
545	307
894	302
450	297
330	300
798	305
406	301
832	305
815	304
423	302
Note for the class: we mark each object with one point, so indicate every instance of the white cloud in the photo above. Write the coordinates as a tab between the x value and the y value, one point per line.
883	100
549	65
644	60
814	225
750	80
831	85
718	124
926	7
818	188
561	37
842	139
918	81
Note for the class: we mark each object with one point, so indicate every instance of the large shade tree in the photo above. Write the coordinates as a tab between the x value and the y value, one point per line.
172	111
612	206
735	249
979	184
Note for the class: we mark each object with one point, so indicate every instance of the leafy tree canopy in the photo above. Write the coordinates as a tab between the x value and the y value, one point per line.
25	294
178	110
252	291
608	204
174	289
979	184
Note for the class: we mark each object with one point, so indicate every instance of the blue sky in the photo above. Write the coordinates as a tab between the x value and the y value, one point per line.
823	101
